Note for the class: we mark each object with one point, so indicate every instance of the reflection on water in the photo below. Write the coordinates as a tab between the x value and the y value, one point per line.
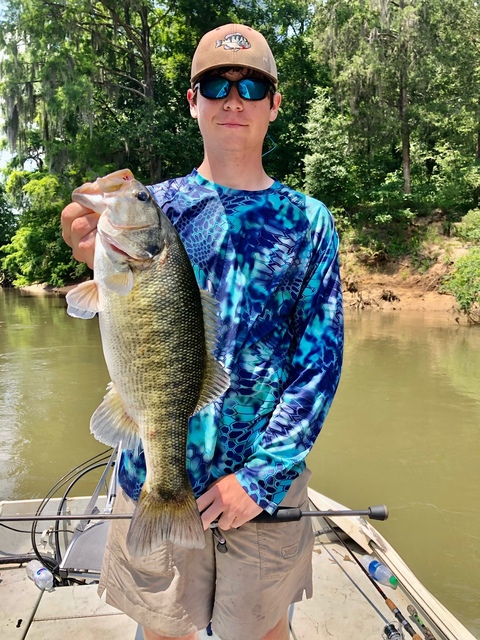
403	430
52	377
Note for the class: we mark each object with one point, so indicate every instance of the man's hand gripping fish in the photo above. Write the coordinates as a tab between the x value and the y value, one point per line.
158	333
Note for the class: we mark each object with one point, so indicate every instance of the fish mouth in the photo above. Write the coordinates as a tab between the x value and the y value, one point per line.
130	227
120	249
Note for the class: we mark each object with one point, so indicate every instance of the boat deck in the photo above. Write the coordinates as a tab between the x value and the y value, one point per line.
68	611
345	604
339	604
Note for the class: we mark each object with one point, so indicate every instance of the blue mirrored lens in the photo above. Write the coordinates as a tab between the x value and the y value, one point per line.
252	89
216	88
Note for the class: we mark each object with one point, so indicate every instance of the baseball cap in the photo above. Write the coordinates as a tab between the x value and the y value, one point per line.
233	45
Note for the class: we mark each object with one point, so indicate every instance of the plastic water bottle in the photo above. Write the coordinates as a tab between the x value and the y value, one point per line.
379	571
40	575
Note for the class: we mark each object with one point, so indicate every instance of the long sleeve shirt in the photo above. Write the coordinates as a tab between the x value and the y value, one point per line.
270	258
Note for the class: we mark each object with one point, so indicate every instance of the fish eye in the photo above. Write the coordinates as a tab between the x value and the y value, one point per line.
143	196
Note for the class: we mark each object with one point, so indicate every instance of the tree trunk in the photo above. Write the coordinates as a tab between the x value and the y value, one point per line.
477	150
407	187
147	60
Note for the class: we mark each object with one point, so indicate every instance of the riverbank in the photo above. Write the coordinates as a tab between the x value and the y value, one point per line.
382	290
379	291
376	284
381	283
45	290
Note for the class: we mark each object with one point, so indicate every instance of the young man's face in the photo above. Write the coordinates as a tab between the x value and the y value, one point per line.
233	123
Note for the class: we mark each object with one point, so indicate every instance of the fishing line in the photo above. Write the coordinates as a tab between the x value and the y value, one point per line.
31	616
58	556
273	148
372	604
390	604
17	530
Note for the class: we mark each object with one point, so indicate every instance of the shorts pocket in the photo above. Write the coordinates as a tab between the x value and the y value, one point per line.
283	546
158	563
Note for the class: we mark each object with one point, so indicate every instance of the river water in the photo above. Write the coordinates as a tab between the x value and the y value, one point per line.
404	429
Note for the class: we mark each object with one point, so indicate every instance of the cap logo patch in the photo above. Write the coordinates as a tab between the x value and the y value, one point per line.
233	41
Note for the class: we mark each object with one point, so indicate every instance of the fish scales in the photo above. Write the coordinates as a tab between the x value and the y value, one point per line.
157	337
160	345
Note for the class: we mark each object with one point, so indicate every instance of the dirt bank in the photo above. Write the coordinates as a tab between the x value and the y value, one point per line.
389	286
45	290
396	286
378	291
382	291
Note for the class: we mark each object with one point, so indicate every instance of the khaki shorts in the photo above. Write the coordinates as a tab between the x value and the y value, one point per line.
244	592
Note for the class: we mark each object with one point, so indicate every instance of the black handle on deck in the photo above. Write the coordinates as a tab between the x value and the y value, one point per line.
291	514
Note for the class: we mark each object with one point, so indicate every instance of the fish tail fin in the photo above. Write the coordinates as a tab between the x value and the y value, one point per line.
156	520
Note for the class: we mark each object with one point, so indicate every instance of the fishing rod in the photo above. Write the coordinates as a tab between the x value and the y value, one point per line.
425	630
390	604
282	514
290	514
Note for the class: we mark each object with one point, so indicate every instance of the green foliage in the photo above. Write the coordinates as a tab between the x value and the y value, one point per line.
380	114
469	227
464	283
37	252
329	170
7	225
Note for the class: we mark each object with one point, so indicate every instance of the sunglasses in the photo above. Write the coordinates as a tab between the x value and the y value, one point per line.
216	88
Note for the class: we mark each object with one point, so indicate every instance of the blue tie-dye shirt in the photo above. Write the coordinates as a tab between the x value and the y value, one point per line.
270	258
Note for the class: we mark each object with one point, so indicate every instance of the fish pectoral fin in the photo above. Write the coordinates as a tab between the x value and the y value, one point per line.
83	301
110	422
215	379
120	282
156	520
214	384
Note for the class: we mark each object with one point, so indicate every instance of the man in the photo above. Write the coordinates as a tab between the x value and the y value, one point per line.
270	257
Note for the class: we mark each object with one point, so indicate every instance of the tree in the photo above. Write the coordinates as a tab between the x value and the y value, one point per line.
397	69
7	225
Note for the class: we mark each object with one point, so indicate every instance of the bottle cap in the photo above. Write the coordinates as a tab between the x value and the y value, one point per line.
393	581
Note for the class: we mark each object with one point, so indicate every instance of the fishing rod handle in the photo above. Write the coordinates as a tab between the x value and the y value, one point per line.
378	512
291	514
401	618
282	514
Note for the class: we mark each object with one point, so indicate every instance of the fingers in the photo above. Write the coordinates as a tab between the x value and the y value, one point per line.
210	506
229	502
79	226
210	515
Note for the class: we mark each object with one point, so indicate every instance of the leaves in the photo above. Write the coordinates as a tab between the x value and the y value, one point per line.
380	115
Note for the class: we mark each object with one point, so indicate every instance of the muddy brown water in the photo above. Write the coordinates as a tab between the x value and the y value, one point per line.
404	429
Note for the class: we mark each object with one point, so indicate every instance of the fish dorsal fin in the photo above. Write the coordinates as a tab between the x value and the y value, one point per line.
120	282
110	423
215	379
83	301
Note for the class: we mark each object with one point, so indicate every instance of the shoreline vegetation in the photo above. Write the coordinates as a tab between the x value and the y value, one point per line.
389	286
376	277
381	292
380	120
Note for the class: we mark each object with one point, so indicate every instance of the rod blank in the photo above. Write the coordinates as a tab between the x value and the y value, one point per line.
289	514
282	514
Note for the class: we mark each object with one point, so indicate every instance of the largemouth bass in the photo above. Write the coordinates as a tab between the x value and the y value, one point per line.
158	333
